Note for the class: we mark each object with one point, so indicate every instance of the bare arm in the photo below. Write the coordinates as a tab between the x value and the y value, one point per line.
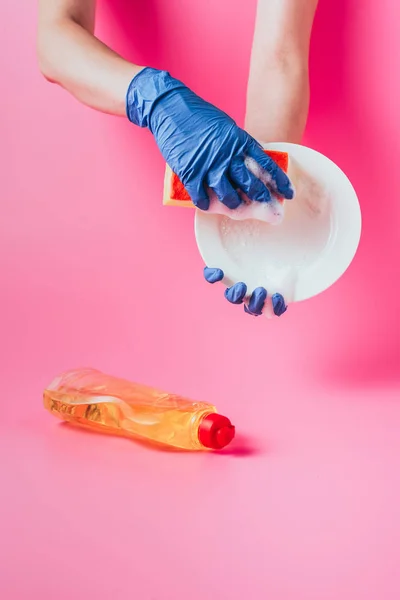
70	55
278	89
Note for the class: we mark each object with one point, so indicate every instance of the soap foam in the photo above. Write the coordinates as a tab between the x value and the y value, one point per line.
269	212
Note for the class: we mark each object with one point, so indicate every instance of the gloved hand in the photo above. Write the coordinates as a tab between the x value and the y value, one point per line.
201	144
238	293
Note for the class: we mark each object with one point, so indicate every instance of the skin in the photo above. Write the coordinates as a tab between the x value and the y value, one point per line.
278	83
98	77
94	74
279	75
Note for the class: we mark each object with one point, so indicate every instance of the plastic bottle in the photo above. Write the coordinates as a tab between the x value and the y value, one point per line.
108	404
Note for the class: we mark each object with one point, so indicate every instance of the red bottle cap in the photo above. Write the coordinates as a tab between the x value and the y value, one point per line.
216	431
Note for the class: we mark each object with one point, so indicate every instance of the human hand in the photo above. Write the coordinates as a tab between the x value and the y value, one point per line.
237	294
201	144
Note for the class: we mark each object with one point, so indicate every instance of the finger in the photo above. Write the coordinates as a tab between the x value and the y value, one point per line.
213	275
247	182
278	304
225	191
198	194
280	182
256	302
236	293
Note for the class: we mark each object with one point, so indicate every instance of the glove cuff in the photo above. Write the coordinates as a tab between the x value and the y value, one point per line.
144	91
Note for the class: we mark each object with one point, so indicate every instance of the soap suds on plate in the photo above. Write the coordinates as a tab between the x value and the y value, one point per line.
272	256
269	212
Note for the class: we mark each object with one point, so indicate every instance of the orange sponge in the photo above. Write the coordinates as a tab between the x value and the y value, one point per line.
176	195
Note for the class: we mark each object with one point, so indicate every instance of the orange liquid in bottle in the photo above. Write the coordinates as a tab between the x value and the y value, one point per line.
108	404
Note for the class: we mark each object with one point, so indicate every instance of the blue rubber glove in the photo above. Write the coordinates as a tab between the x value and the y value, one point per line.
201	144
238	292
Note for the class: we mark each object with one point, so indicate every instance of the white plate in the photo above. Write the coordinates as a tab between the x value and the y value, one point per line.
308	251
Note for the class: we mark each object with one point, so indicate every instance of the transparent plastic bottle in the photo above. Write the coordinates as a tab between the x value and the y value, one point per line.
108	404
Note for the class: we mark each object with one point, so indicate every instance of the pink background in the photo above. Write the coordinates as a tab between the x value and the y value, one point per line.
306	504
